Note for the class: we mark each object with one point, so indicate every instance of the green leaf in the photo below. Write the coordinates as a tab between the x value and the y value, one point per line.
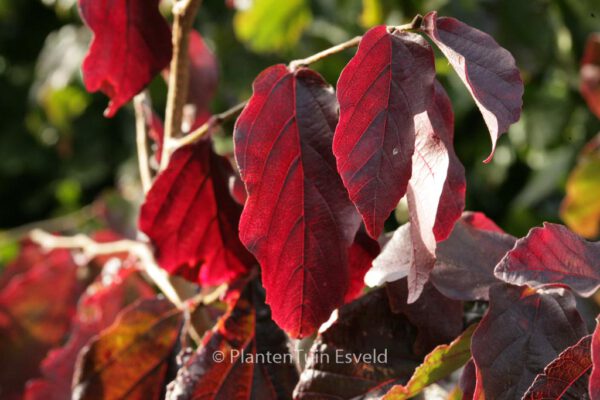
581	208
438	364
272	25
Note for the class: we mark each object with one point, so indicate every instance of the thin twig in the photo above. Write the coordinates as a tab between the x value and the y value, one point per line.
141	103
325	53
91	248
184	12
213	122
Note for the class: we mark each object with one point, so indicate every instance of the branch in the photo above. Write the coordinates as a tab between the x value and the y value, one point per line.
213	122
184	12
294	65
91	248
141	103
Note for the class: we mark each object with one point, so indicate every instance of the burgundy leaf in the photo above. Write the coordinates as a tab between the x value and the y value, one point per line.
437	318
521	333
468	380
360	256
132	43
553	255
297	219
97	309
387	83
243	337
566	376
488	71
129	359
192	220
465	261
464	268
594	384
590	73
437	183
35	314
365	326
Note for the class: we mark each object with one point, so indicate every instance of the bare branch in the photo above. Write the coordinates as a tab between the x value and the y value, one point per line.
141	104
91	248
184	12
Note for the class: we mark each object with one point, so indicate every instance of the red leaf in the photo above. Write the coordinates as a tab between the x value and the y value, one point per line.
437	183
594	384
360	256
192	220
521	333
553	255
590	73
129	358
255	362
565	376
35	313
132	43
488	71
297	220
97	309
387	83
480	221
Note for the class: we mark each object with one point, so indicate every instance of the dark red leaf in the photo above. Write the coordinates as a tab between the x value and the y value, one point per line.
360	256
468	380
464	268
255	363
129	358
437	183
36	307
387	83
466	260
365	326
297	220
97	309
437	318
192	219
553	255
594	384
590	73
132	43
566	376
521	333
488	71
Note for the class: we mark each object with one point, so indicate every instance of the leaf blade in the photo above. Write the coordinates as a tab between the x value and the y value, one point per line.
488	71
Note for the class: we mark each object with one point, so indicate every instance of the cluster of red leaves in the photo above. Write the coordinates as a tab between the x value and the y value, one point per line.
322	170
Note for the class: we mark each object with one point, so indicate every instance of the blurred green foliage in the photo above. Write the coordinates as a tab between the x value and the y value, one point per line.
57	151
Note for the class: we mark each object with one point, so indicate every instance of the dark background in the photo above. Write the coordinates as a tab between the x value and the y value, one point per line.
58	154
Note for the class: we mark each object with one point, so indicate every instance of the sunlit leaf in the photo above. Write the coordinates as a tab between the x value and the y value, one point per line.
129	358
